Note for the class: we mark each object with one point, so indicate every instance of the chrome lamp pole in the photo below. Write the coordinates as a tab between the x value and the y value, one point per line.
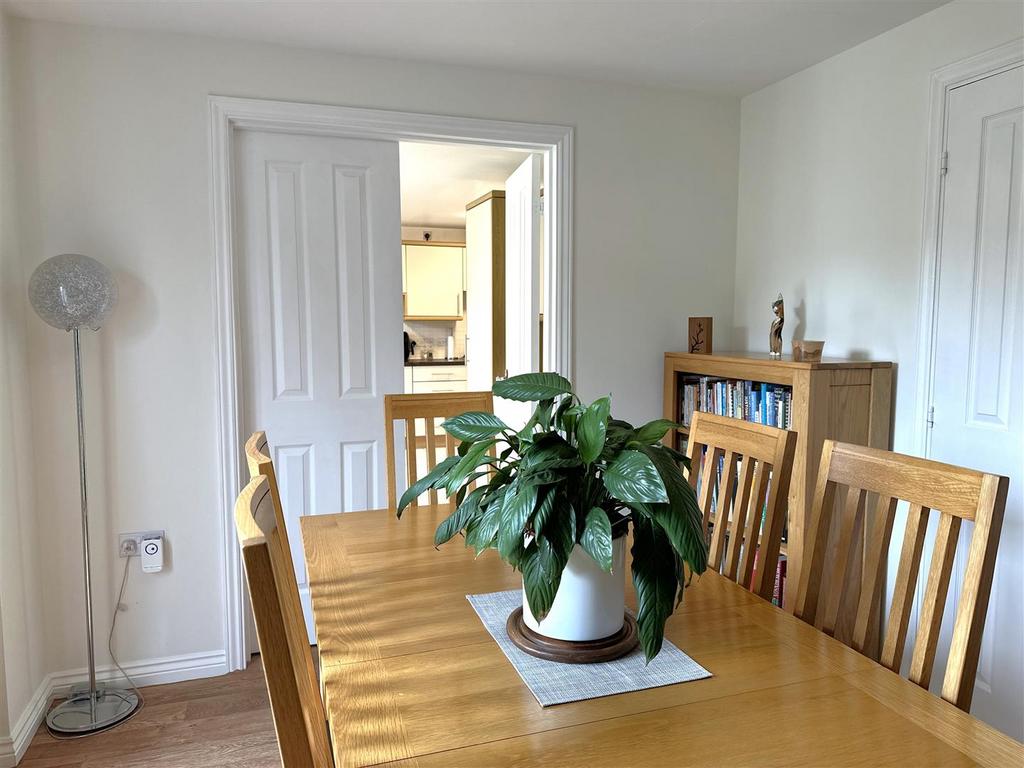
68	292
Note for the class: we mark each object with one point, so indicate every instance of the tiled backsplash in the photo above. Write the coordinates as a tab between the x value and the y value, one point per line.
432	336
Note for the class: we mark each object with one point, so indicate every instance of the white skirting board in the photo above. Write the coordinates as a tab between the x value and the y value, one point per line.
169	669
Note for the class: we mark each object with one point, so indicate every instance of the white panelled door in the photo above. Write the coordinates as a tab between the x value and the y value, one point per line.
320	258
522	275
979	359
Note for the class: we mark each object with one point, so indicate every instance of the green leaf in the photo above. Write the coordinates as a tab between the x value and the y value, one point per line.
540	587
633	477
528	387
519	504
474	425
481	535
570	419
542	476
431	480
559	416
458	519
654	431
597	538
561	527
617	437
591	430
655	579
681	518
474	457
542	514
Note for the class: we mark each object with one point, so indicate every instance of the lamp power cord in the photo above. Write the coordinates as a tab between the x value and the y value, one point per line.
110	637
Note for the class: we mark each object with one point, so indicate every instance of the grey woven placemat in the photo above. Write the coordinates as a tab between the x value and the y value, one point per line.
554	683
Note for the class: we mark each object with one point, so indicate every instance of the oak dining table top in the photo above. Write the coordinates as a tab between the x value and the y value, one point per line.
411	677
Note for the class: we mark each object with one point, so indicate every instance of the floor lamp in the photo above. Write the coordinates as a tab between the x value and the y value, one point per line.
71	292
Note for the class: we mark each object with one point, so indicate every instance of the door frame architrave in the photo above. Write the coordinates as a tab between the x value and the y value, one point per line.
229	115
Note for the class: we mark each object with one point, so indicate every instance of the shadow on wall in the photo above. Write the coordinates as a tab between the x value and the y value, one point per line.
133	320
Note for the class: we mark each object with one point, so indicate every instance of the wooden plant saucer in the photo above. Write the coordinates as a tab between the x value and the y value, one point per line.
570	652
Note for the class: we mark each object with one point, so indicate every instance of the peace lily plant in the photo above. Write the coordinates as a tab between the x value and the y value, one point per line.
573	475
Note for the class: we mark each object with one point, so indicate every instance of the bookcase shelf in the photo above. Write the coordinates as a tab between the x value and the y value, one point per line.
847	400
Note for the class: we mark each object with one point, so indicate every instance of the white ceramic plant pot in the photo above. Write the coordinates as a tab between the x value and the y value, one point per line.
590	603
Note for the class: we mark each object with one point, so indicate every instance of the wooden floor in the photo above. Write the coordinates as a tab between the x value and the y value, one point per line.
219	721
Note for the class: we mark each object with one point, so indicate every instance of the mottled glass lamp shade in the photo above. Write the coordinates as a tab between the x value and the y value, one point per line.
72	291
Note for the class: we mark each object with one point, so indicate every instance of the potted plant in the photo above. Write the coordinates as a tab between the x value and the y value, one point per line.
557	500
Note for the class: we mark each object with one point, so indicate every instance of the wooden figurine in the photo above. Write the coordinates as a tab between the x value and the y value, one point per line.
775	334
699	335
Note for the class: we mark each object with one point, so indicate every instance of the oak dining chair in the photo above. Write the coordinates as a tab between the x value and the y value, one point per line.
847	475
295	701
421	416
735	465
257	457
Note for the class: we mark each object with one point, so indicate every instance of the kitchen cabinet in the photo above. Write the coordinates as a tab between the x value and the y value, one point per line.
433	281
436	378
485	289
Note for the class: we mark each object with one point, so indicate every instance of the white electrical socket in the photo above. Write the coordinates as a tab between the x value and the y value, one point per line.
130	544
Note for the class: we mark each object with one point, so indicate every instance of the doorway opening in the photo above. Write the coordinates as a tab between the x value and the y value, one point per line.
354	226
472	265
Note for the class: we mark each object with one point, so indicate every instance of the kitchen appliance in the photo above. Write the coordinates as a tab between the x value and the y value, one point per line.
410	345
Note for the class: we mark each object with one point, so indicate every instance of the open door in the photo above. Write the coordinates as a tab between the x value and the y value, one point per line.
522	279
320	258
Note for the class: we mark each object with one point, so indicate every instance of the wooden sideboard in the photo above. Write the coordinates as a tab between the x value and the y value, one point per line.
847	400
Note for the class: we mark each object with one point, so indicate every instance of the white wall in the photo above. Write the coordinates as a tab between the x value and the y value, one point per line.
21	654
115	145
832	172
831	202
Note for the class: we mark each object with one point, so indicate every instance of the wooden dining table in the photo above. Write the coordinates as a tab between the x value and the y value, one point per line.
411	677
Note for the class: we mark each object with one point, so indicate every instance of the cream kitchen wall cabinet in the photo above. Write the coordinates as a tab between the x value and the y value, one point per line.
434	281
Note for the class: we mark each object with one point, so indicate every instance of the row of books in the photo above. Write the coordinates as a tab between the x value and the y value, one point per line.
758	402
779	591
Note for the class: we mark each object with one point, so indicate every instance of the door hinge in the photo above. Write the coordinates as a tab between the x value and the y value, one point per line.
944	164
540	207
930	418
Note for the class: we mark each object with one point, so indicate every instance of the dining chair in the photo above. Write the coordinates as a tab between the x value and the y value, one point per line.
295	701
257	457
847	474
424	410
735	465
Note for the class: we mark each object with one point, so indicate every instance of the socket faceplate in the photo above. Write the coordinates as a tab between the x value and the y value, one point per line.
130	544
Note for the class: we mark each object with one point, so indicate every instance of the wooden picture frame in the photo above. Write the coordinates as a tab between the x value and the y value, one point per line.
698	335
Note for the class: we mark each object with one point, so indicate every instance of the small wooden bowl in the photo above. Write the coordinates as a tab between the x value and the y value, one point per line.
809	351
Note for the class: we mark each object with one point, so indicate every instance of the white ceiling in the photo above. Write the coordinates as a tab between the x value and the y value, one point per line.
731	46
439	179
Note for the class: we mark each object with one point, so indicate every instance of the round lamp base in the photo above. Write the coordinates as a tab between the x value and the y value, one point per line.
86	712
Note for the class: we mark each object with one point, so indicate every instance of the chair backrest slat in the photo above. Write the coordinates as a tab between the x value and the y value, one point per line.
707	481
904	589
430	409
753	523
734	461
873	580
725	492
934	602
850	527
743	489
954	494
965	648
295	702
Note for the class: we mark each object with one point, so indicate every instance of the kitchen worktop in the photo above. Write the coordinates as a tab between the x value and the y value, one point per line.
413	361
